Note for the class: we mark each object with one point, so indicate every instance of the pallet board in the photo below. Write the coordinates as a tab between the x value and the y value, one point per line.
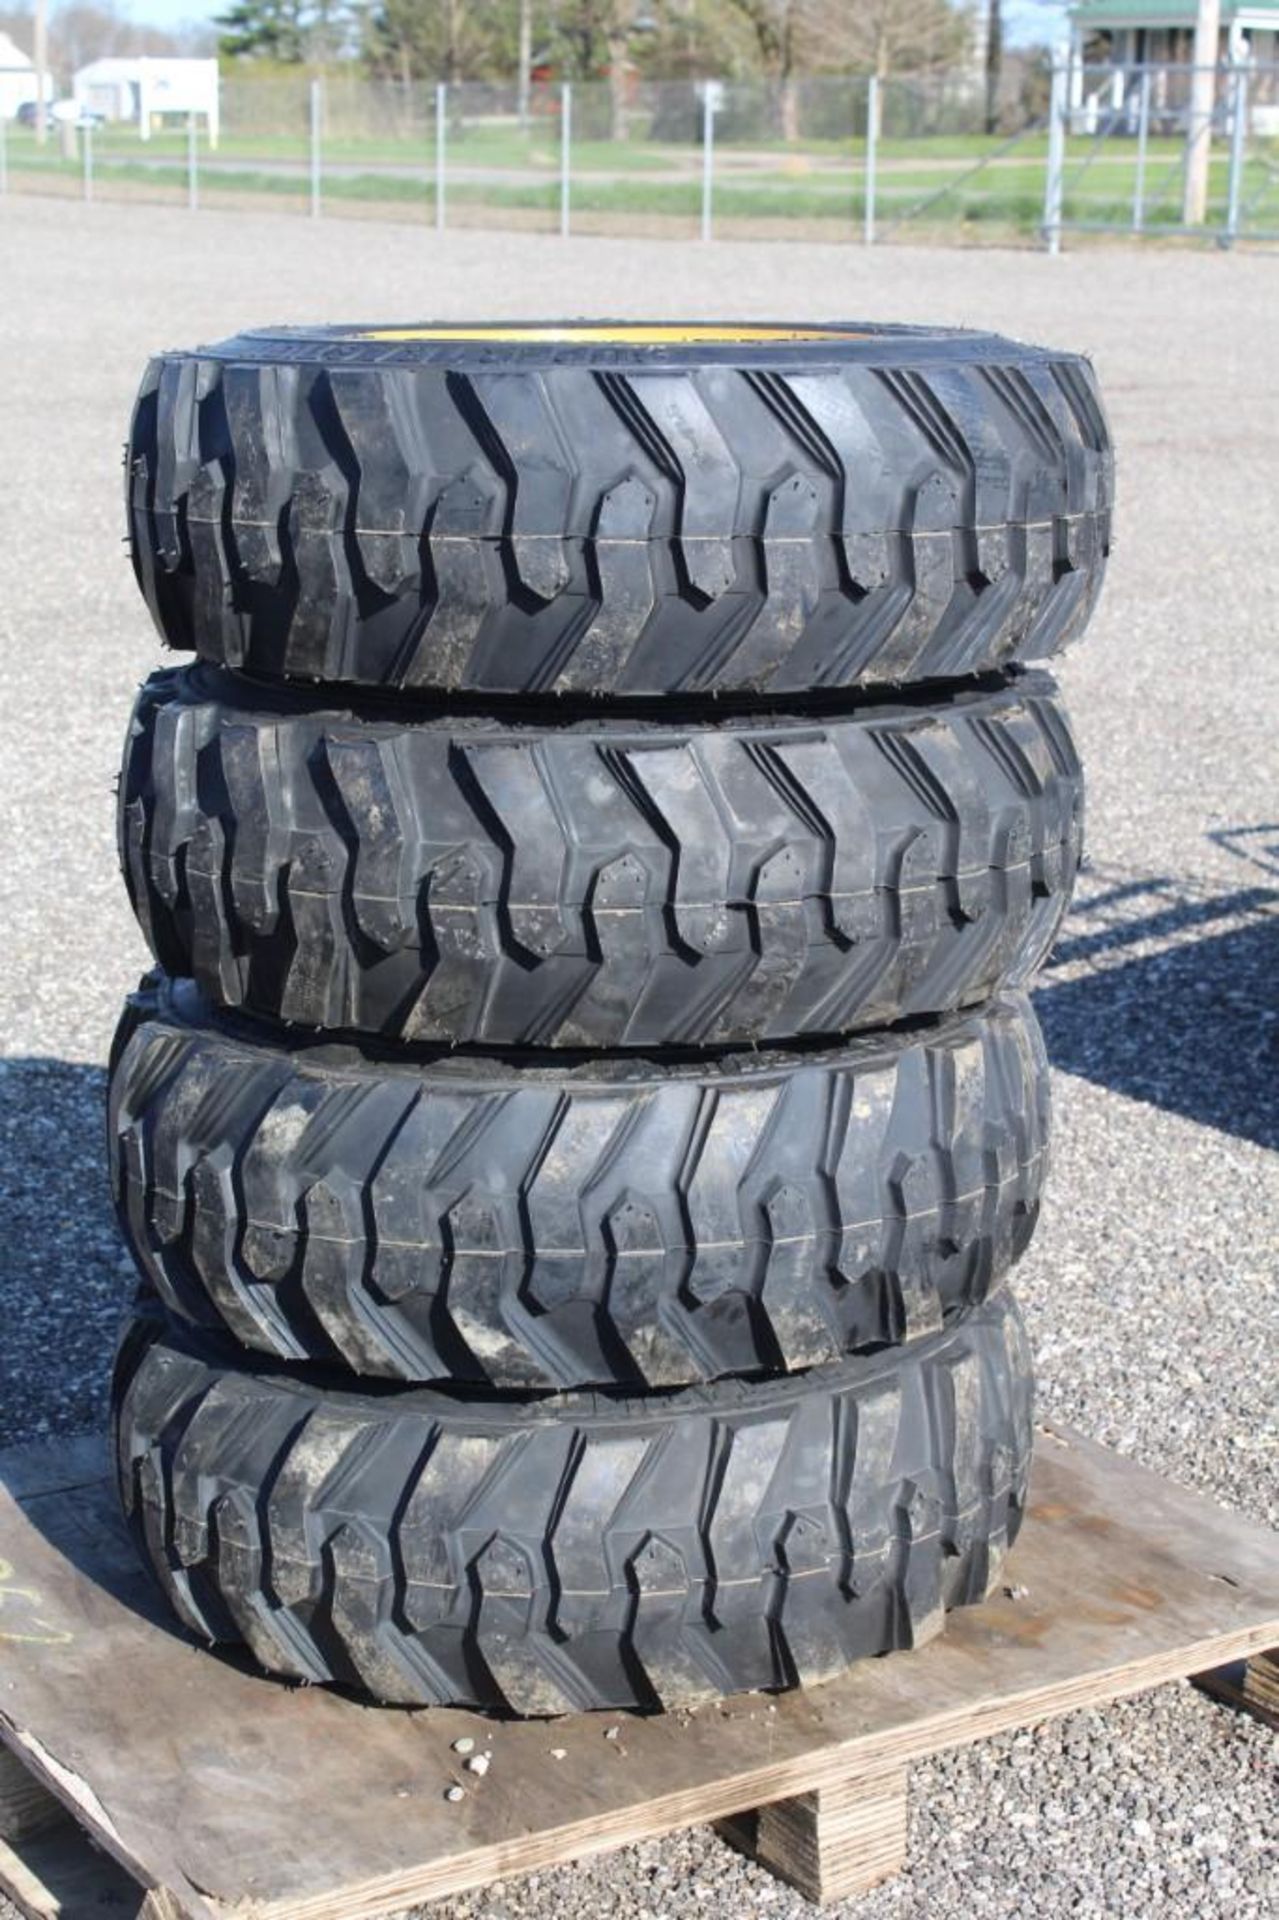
223	1789
1251	1685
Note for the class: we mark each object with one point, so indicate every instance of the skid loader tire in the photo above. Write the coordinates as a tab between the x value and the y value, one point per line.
836	507
617	1222
598	883
580	1551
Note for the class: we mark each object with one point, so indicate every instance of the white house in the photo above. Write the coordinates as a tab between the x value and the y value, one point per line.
1162	32
143	89
1114	42
18	79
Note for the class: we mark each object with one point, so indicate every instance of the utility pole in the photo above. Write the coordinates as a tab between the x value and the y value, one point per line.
1203	96
41	56
994	61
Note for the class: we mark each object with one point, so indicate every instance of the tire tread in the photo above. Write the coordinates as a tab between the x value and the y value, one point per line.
581	530
585	1553
603	884
533	1227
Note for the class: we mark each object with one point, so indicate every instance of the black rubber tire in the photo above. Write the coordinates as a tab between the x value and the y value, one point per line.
599	883
615	1222
578	1552
878	505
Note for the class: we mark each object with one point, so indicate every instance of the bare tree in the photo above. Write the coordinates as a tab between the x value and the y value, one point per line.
85	30
794	37
440	39
596	38
524	56
884	37
781	28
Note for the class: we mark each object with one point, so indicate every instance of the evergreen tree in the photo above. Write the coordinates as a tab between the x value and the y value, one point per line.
286	31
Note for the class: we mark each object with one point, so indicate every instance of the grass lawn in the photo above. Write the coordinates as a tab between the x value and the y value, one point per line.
501	147
937	181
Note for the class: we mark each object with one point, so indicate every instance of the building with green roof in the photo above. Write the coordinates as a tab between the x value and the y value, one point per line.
1163	31
1112	42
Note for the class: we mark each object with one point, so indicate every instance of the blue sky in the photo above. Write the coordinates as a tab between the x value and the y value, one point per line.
1034	20
1024	19
171	13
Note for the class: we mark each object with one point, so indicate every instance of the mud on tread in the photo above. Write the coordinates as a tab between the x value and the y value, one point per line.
606	883
579	1552
895	506
616	1222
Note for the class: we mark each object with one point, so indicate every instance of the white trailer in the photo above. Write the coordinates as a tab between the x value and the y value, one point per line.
146	90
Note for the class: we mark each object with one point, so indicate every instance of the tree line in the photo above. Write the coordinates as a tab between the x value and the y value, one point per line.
773	40
85	30
620	42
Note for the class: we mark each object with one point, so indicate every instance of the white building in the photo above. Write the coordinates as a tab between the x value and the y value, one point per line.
145	90
1162	32
17	79
1114	43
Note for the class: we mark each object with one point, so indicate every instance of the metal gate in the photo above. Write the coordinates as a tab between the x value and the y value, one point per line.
1160	151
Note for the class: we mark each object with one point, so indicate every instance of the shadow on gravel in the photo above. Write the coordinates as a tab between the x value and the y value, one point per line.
1173	999
1257	846
65	1283
64	1274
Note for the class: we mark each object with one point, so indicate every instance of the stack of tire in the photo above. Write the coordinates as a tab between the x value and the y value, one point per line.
586	1109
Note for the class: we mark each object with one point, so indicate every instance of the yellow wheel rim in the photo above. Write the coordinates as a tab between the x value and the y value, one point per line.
633	336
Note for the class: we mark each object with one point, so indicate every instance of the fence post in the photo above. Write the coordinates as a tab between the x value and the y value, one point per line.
1143	135
193	165
87	131
872	149
1056	155
566	150
1238	152
441	112
315	148
708	155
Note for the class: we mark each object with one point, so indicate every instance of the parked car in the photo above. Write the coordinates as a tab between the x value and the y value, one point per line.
60	113
73	113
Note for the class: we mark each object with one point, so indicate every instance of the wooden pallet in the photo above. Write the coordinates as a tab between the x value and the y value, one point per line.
150	1776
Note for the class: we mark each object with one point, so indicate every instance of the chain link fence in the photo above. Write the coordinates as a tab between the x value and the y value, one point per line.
1079	150
1164	150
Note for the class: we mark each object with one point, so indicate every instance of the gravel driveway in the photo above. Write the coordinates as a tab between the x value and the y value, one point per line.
1151	1289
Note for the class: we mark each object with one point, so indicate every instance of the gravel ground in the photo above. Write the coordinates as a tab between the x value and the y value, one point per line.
1151	1286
